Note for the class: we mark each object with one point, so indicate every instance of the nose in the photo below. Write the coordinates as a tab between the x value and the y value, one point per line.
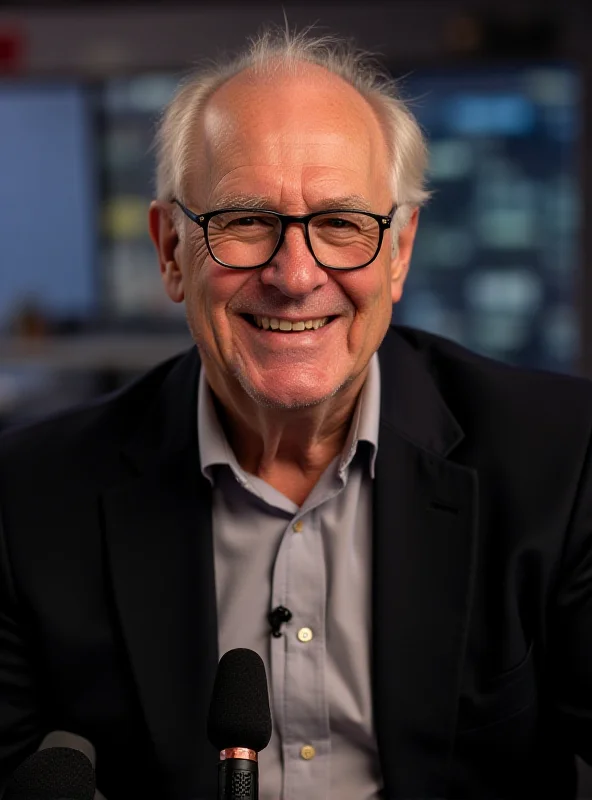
293	270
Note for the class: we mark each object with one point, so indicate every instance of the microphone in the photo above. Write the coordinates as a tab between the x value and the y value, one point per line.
61	769
276	619
239	722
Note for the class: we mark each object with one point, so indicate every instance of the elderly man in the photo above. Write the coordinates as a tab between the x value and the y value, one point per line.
423	515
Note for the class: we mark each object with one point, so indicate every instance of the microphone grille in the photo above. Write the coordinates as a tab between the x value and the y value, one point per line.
242	785
239	714
55	772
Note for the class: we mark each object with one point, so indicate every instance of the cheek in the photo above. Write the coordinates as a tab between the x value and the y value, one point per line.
211	289
199	280
369	291
371	296
194	267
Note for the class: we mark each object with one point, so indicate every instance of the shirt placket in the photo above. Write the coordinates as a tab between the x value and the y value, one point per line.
298	660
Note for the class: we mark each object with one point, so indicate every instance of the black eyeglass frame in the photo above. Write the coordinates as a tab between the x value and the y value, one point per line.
384	222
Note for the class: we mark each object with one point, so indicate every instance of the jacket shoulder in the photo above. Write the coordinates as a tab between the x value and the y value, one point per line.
476	387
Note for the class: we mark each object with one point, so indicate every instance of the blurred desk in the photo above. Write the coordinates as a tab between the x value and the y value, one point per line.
116	352
46	375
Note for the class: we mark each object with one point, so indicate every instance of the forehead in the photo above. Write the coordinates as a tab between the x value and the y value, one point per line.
310	134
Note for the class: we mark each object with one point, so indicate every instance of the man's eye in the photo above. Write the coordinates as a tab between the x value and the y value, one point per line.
251	222
339	223
336	222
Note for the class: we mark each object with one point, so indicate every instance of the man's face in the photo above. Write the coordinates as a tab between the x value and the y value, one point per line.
299	144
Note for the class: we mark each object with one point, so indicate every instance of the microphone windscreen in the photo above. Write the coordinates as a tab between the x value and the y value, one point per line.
57	772
73	740
239	713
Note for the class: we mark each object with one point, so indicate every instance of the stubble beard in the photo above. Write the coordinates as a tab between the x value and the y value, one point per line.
262	399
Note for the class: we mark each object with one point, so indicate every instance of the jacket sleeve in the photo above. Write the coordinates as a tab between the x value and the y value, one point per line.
19	717
570	629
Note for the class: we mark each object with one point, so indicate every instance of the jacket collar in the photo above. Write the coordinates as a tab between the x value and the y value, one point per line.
412	405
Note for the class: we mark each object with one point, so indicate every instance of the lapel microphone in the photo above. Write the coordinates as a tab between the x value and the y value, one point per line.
239	722
277	618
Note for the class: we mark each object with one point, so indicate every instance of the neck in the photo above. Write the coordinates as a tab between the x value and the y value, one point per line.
287	448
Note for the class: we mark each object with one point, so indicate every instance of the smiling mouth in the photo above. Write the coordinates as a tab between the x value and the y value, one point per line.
285	326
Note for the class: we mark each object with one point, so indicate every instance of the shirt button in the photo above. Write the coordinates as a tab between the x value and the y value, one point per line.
298	526
305	634
307	752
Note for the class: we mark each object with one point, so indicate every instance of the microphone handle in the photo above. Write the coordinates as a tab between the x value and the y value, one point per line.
238	779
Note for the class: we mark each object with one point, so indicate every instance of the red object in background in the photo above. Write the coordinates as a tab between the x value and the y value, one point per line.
12	49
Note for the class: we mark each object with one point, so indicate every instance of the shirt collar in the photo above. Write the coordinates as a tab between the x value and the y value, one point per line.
213	444
366	420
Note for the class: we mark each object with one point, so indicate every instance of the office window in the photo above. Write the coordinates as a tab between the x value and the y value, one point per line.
47	196
496	257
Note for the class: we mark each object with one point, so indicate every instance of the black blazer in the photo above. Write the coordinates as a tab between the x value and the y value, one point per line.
482	581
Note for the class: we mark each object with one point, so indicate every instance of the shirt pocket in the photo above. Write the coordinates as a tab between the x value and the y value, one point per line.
500	698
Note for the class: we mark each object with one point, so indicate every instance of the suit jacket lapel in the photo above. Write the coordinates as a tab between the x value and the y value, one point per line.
424	556
159	540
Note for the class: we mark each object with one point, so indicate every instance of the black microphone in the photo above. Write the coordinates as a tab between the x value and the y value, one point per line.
276	619
54	772
239	722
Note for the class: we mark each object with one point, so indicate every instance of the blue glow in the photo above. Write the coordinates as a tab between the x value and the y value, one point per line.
497	114
47	199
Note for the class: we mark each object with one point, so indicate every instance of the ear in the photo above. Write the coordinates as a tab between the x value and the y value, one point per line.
166	239
402	250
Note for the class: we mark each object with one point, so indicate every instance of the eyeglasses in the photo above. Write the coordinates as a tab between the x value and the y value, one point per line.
241	238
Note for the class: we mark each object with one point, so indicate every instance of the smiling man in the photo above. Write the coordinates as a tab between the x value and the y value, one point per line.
399	527
288	271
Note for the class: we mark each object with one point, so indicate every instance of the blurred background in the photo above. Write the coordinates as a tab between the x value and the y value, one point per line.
500	264
503	257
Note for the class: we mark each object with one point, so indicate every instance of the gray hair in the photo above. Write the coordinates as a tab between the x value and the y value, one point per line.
278	50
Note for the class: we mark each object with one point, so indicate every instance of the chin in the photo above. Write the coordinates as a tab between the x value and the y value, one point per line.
292	396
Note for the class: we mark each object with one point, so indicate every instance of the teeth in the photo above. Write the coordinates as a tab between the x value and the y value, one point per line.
285	325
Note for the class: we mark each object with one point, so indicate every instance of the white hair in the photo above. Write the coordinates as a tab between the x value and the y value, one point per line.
278	50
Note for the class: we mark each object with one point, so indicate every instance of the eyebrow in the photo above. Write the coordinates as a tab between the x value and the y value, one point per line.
351	201
242	201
